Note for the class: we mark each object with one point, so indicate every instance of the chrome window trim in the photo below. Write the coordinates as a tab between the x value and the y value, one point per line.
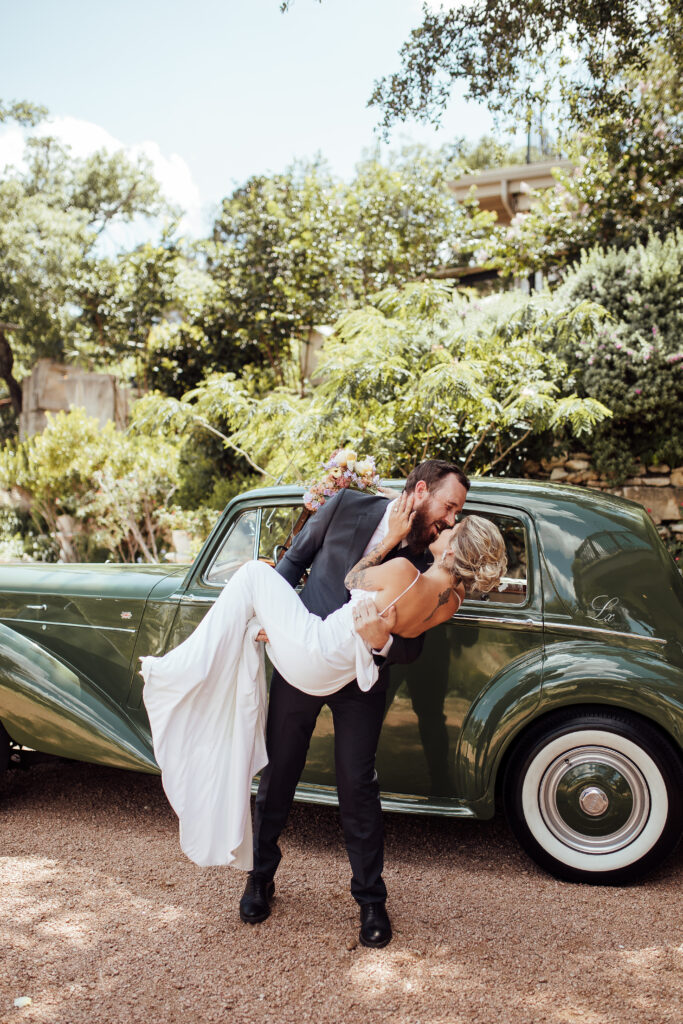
254	554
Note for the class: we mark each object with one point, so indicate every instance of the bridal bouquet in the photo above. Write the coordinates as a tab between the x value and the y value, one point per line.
343	469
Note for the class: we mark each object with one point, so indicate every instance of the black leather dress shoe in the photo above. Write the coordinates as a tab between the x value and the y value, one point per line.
375	926
255	902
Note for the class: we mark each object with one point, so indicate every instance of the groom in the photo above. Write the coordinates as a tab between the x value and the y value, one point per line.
332	541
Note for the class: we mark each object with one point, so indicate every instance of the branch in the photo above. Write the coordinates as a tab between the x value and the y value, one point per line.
514	444
477	446
231	444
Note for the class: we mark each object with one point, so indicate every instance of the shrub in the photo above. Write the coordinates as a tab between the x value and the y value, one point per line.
94	492
635	363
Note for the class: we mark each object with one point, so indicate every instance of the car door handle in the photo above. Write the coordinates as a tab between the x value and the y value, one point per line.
37	607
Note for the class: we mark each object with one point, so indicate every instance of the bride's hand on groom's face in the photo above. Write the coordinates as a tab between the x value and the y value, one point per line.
401	518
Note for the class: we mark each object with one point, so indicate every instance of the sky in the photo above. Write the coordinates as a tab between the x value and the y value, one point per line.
213	91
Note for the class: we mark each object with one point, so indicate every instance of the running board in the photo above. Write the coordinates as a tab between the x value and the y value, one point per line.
311	794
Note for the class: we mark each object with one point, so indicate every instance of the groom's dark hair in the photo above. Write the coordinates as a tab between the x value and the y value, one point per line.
432	471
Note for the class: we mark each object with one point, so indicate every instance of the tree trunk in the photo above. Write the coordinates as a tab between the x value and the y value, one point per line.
6	364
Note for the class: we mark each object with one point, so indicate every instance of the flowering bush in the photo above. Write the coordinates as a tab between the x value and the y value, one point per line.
634	364
343	469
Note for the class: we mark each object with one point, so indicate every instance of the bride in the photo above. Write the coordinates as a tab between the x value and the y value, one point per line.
206	699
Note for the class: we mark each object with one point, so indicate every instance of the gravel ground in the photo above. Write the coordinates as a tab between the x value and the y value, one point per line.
104	920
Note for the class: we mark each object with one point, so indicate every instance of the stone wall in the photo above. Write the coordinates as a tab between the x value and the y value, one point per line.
659	489
52	387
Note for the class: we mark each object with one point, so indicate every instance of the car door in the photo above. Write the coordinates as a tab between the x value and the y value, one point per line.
439	703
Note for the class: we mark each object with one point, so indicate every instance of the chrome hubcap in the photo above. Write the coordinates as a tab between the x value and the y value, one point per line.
594	799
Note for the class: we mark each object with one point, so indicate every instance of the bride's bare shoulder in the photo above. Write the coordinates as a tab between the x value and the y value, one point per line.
399	569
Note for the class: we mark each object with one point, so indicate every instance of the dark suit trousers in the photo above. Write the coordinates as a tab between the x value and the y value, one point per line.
357	723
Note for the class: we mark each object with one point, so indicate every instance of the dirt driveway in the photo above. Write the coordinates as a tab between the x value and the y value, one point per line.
104	920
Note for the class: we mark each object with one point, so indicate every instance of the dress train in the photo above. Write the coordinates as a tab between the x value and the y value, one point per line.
206	701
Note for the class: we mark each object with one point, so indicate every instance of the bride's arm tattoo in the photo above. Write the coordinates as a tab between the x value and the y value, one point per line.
444	598
355	577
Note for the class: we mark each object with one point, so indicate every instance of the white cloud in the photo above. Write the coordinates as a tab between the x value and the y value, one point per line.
11	146
85	137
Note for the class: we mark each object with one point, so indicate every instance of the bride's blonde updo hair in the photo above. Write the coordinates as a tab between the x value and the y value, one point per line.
476	554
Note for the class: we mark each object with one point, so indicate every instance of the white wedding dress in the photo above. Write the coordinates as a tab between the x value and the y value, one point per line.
206	701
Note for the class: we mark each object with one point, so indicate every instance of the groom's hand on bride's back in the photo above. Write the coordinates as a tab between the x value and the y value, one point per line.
372	627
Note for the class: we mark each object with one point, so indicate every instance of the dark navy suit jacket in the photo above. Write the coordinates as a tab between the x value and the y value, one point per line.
331	542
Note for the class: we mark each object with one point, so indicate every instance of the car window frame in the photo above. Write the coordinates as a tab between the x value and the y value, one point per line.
217	538
211	561
534	591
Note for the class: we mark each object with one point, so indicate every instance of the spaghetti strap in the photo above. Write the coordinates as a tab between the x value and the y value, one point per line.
402	594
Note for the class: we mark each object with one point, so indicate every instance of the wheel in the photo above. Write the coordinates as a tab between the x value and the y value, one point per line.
595	796
4	748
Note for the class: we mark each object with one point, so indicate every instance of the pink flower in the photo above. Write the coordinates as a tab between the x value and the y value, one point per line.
639	391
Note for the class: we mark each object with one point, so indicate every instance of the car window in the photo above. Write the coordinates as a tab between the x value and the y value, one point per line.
514	586
276	527
237	548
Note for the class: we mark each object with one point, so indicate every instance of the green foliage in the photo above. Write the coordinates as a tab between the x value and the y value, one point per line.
411	376
55	468
635	363
51	215
24	113
11	541
626	184
513	57
401	223
93	490
278	258
294	250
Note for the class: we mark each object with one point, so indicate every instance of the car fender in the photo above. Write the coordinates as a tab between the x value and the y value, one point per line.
646	682
498	714
46	705
599	675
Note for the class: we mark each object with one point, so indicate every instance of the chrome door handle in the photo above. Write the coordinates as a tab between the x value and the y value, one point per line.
37	607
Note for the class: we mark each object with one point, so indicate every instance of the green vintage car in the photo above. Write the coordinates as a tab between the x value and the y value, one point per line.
559	696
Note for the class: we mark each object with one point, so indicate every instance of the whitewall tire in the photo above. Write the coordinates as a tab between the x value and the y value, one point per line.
595	796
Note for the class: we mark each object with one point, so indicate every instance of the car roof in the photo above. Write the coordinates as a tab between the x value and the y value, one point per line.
539	498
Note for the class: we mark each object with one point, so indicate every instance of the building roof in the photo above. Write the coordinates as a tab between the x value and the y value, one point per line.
507	190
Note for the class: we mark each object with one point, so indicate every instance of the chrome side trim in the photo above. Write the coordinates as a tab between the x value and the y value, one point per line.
310	793
74	625
599	633
483	620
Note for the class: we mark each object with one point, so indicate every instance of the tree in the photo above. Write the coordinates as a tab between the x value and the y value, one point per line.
512	55
280	261
626	183
293	250
94	489
635	362
51	215
24	113
401	221
408	377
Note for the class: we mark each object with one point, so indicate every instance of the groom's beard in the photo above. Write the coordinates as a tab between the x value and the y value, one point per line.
423	532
